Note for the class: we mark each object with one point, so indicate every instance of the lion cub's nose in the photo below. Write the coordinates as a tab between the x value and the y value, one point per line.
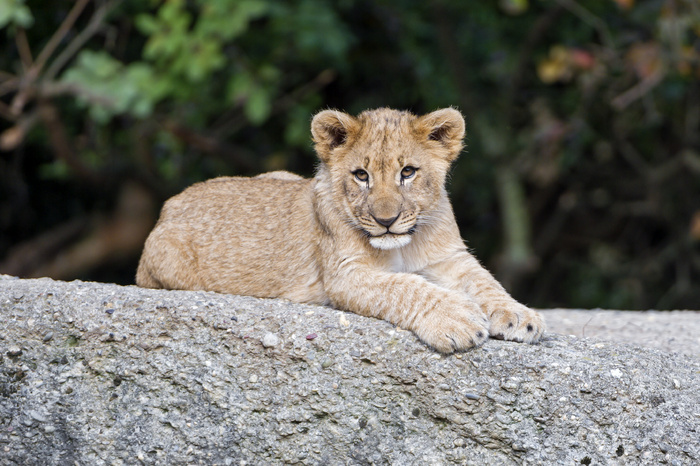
385	221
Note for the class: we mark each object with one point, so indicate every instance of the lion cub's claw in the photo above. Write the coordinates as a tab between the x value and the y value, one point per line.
515	322
448	332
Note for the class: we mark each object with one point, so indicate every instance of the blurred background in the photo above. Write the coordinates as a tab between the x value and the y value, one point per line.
579	187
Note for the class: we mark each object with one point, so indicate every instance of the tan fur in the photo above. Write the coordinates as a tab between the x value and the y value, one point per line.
322	240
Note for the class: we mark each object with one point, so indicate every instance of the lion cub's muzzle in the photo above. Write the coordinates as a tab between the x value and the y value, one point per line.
390	232
387	222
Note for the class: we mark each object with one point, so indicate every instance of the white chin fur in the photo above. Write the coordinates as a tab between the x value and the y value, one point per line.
389	241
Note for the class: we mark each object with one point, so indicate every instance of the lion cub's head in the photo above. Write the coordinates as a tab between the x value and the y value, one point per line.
387	167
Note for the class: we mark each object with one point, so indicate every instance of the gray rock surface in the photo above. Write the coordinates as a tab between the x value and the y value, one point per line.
672	331
96	374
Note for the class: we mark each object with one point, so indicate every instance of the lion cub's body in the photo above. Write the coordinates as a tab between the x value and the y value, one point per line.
230	235
372	233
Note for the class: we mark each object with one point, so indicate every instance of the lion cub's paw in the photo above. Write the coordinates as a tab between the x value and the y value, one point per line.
515	322
448	330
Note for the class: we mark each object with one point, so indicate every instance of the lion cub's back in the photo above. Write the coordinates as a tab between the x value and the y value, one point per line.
231	198
237	204
251	236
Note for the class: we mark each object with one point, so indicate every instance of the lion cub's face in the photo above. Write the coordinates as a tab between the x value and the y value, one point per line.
388	167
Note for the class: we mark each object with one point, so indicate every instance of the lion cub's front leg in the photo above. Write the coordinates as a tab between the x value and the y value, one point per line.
444	319
509	319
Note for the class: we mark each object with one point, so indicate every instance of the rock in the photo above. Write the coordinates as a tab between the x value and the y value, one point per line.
37	416
270	340
175	386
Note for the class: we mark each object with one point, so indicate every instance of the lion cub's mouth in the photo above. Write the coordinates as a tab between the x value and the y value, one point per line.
390	240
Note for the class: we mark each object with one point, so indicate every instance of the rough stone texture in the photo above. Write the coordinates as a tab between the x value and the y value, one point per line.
672	331
96	374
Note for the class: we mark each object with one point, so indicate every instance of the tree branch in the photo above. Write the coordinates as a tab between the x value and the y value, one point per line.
78	41
638	91
57	37
9	85
25	52
6	112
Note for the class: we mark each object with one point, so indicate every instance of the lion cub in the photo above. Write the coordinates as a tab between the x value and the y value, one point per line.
373	233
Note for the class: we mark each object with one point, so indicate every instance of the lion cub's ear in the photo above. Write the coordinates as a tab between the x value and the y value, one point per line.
445	126
331	129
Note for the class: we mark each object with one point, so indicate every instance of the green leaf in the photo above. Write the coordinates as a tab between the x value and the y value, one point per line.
108	87
146	24
229	19
204	57
15	12
56	170
514	7
258	106
296	133
239	87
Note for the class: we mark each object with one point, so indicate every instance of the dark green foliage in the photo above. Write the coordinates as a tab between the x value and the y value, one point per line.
579	186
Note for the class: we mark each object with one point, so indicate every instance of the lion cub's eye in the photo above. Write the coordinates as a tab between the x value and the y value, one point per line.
361	175
408	172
